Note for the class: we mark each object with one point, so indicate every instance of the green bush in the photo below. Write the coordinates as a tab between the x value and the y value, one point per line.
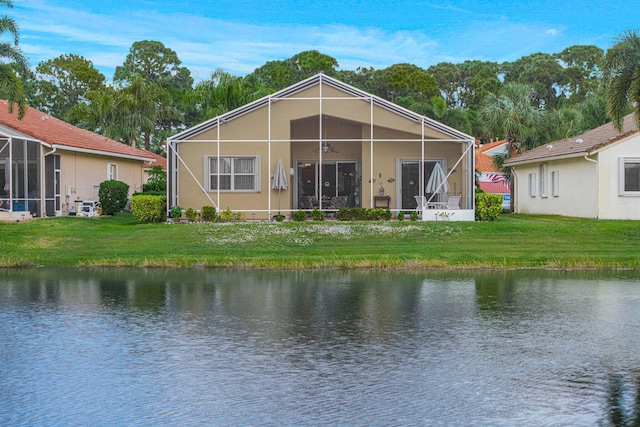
279	218
400	216
157	180
413	216
149	208
175	213
226	216
208	213
113	196
190	214
300	216
317	215
239	216
488	206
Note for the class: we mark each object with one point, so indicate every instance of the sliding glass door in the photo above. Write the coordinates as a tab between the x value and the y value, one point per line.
410	183
327	180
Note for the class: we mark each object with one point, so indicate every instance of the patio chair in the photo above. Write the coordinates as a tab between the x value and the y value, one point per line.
453	202
338	202
306	202
422	203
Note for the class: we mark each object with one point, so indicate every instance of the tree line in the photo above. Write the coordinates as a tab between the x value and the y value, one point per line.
533	100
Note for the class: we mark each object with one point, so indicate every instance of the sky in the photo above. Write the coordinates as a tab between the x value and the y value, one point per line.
239	36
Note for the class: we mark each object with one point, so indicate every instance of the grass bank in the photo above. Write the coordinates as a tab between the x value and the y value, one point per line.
513	241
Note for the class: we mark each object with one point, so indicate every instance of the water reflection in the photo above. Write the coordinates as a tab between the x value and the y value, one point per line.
135	346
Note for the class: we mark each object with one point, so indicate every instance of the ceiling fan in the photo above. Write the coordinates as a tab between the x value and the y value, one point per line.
326	148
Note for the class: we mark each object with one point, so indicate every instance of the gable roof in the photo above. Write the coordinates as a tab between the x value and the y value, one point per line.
578	146
56	133
494	187
310	82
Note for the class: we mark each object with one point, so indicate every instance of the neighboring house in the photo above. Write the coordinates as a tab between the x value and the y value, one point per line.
593	175
339	145
491	180
47	165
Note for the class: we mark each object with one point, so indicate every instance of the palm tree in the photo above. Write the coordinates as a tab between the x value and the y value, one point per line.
512	113
10	83
622	77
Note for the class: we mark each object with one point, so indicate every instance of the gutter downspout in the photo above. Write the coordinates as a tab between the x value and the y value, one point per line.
512	203
586	157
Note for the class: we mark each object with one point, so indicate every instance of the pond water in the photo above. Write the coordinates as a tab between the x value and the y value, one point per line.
219	347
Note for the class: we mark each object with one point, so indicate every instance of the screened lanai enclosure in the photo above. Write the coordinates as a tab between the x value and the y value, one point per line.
341	147
21	178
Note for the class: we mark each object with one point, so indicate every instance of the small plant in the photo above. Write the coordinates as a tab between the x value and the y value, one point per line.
190	214
157	181
317	215
208	213
387	215
299	216
239	216
175	213
278	217
444	215
413	216
226	215
400	216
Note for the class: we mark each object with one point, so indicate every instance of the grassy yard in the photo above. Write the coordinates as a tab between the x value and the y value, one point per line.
513	241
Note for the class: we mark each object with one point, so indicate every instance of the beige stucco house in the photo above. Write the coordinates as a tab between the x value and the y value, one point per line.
339	146
48	165
593	175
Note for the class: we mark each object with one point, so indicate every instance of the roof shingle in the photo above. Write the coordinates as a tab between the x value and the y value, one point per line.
580	145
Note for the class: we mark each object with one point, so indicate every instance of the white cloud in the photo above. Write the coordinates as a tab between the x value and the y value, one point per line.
552	32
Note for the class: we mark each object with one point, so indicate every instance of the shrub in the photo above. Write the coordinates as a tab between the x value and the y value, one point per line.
387	215
113	196
300	216
208	213
400	216
226	215
279	218
488	206
149	208
175	213
239	216
413	216
317	215
190	214
157	180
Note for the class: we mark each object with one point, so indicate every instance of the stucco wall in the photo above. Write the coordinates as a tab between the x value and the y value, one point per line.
84	173
612	204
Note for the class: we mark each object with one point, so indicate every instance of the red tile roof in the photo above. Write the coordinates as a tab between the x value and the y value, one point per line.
486	147
52	131
484	163
494	187
159	160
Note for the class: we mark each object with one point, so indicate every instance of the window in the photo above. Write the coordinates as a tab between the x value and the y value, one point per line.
112	171
236	173
543	180
630	176
532	184
555	183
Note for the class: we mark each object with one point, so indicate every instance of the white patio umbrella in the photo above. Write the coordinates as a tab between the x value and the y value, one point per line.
279	180
437	182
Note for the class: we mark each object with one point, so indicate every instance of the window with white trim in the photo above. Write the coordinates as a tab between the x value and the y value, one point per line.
236	173
555	183
543	180
532	184
629	176
112	171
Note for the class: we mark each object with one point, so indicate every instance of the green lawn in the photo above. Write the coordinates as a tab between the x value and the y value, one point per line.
513	241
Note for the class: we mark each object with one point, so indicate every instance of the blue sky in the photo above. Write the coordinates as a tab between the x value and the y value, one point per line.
239	36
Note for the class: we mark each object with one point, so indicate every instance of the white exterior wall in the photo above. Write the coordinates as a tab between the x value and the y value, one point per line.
612	204
576	196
